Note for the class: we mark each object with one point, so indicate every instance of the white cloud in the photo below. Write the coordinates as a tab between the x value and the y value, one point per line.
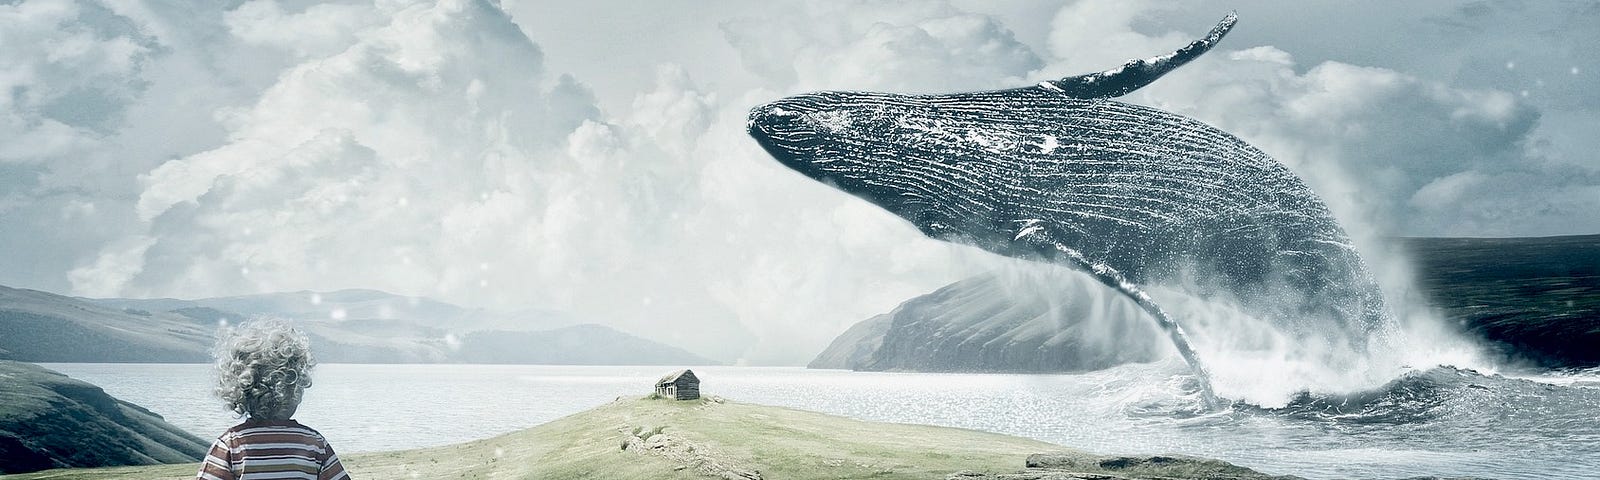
1096	36
116	265
66	91
424	148
434	156
437	102
1505	204
317	31
676	113
898	46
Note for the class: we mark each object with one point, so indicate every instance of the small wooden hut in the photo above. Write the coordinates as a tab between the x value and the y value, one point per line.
679	385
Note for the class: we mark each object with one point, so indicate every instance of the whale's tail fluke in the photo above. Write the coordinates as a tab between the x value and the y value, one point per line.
1136	74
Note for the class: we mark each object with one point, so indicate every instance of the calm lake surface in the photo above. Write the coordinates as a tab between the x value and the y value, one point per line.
1440	422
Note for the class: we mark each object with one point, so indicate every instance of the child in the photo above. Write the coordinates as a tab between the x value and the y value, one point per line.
263	370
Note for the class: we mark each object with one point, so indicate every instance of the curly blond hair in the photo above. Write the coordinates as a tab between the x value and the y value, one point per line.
263	368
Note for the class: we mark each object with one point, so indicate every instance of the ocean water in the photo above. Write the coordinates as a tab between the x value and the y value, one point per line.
1440	421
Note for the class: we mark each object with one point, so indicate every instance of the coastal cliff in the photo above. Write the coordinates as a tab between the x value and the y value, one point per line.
1048	321
48	420
1533	301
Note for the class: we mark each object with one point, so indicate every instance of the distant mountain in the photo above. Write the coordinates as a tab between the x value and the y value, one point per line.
368	327
990	323
48	420
1535	300
43	327
351	304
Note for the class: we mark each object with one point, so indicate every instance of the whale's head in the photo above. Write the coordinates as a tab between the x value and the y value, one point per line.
860	143
812	134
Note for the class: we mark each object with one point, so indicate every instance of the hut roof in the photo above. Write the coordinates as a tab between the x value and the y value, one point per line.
673	377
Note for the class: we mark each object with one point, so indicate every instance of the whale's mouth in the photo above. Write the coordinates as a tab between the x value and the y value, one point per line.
787	134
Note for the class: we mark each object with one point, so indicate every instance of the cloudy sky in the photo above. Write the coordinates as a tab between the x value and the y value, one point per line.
590	156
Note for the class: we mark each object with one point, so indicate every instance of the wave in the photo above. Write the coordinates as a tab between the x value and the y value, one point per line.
1456	395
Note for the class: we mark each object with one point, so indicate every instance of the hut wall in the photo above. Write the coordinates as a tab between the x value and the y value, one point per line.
687	390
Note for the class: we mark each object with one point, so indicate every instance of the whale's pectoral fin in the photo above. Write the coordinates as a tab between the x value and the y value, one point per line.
1038	235
1136	74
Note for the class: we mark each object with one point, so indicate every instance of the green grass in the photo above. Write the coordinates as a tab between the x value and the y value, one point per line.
780	443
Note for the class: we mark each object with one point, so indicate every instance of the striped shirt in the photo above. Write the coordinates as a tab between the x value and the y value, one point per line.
263	450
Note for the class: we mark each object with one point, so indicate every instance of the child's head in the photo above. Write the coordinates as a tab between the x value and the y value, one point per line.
263	368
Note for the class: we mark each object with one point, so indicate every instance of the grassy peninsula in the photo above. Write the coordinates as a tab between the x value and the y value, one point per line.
644	438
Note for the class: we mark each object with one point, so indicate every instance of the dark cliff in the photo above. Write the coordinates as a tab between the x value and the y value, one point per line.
1534	301
48	420
1053	321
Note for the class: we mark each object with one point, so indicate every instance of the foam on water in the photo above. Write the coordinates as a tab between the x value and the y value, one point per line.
1265	364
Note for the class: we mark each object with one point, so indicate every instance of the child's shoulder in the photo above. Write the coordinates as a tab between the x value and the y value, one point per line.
250	428
311	431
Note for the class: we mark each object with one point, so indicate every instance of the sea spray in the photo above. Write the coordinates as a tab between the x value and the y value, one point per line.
1251	360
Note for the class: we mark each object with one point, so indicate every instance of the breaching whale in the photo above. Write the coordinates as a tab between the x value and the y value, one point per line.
1057	172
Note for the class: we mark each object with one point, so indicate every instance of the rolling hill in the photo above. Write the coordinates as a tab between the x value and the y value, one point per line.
710	438
369	327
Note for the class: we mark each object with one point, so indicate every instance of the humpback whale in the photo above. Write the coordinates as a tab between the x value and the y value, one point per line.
1058	172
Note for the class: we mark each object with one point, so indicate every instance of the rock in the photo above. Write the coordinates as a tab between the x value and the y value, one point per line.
1143	464
1082	466
1049	320
687	454
48	420
1032	475
855	346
